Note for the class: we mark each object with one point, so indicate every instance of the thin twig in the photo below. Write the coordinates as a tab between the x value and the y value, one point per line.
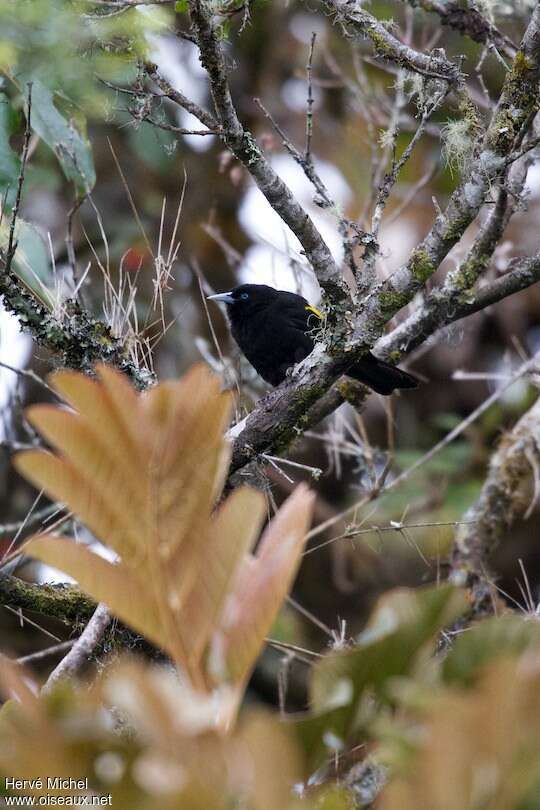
29	522
524	369
310	100
54	650
81	651
12	245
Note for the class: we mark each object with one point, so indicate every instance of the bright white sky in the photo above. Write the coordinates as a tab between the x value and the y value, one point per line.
15	349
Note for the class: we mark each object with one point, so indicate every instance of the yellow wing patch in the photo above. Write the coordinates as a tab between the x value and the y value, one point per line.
316	312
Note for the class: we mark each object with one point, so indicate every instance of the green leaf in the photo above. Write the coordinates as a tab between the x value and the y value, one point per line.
9	161
153	146
181	6
321	734
32	259
403	623
70	147
472	650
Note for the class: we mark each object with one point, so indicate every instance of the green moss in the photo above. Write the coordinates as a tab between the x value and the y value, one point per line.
381	45
290	429
64	602
352	391
305	397
392	301
502	132
421	265
469	112
251	151
468	273
283	439
522	64
456	227
521	99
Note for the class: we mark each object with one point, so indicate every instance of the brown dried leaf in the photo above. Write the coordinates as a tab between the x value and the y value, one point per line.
174	756
142	472
120	587
262	583
477	747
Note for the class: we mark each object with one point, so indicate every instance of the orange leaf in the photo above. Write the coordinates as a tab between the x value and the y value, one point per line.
262	583
142	472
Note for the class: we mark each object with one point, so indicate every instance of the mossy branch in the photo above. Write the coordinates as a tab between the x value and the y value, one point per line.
79	339
64	602
468	20
518	103
506	497
356	20
74	334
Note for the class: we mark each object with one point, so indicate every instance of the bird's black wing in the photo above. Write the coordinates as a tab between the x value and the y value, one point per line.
300	313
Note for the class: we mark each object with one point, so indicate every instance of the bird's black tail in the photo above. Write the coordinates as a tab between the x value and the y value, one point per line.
380	376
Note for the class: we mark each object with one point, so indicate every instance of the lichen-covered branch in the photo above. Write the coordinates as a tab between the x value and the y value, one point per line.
506	497
443	303
243	146
76	337
522	274
441	309
356	20
518	103
469	20
64	602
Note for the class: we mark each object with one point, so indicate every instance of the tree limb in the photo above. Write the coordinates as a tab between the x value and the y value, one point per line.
79	655
504	499
79	339
517	105
443	308
355	19
243	146
468	20
64	602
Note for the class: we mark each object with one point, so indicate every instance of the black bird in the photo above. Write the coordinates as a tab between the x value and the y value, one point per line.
275	329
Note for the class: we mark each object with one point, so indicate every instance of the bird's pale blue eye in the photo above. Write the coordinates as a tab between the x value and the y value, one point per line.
244	296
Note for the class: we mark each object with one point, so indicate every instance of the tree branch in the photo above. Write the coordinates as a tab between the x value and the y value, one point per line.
75	335
80	653
286	412
79	339
443	308
243	146
355	19
517	105
64	602
505	498
468	20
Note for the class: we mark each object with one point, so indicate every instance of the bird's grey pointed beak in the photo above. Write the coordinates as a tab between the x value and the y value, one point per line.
226	297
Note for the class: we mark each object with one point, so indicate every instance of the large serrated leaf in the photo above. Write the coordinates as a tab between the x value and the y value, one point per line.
143	473
261	586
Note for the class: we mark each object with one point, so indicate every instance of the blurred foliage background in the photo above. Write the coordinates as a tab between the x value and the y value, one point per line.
134	192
